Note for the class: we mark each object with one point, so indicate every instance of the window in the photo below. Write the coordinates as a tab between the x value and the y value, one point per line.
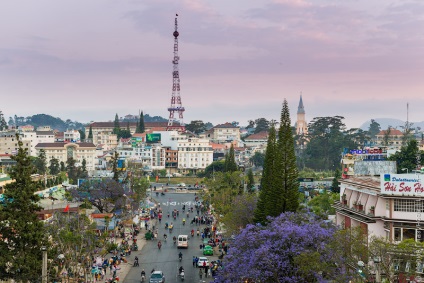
408	205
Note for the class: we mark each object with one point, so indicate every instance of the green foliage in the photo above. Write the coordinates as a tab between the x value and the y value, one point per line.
262	124
250	181
196	126
40	162
116	127
62	166
240	213
258	159
47	120
54	167
321	204
82	135
21	254
335	188
230	161
141	123
3	124
211	169
407	157
72	170
90	133
114	163
374	129
311	173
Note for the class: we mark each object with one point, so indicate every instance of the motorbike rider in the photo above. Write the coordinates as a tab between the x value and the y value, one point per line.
143	273
159	244
175	239
183	221
165	236
180	255
192	232
181	270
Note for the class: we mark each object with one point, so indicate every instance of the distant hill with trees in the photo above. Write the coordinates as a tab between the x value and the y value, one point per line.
395	123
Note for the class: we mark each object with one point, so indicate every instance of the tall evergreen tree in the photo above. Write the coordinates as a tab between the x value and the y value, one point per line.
72	170
3	124
116	127
62	166
268	176
54	167
90	134
230	161
286	169
20	258
137	127
40	162
114	162
141	123
250	181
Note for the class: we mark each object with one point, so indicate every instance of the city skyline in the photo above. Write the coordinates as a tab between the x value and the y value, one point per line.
238	61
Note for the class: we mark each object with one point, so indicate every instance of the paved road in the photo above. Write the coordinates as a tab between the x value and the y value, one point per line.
166	259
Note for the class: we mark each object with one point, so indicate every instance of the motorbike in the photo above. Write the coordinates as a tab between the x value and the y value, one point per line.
143	278
159	245
162	193
182	275
183	222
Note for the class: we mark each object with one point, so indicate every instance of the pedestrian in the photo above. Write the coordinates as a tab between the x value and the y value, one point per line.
194	261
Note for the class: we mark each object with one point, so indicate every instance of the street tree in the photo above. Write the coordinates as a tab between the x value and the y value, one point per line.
215	166
230	161
21	230
106	195
82	172
54	167
72	170
40	162
386	136
114	163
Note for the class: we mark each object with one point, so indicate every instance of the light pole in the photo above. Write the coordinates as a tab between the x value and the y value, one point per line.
377	261
44	265
406	169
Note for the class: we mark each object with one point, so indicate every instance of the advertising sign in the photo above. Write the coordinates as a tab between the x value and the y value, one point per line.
153	138
401	184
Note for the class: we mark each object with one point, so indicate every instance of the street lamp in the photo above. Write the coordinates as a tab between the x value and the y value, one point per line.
377	261
405	169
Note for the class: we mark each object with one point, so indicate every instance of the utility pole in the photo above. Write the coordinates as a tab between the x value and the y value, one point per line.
44	266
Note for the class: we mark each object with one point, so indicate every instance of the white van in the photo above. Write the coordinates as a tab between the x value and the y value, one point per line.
182	241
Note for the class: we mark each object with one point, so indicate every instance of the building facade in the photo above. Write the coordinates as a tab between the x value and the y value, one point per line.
194	154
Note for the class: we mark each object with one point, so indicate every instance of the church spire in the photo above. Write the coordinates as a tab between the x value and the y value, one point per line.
300	108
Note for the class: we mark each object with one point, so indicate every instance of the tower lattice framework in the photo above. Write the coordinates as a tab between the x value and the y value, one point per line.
176	104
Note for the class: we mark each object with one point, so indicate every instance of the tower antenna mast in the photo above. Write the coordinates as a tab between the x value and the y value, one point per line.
176	105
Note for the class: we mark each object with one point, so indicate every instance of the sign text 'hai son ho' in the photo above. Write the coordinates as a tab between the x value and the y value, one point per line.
401	184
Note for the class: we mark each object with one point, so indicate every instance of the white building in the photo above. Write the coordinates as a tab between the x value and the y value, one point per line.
72	136
389	206
194	154
78	151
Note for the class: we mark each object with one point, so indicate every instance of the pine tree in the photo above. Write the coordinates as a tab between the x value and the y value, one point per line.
250	181
21	254
90	134
114	161
3	124
137	127
141	123
62	166
286	169
230	161
267	181
116	127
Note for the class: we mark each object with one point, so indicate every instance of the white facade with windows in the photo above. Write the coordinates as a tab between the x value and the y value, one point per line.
391	206
194	154
63	151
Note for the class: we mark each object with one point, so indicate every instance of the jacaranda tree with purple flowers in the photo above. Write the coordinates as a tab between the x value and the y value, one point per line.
293	247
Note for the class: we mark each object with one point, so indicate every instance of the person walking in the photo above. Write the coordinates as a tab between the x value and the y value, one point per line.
194	261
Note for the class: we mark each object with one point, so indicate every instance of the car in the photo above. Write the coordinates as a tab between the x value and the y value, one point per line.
207	250
201	260
181	185
157	277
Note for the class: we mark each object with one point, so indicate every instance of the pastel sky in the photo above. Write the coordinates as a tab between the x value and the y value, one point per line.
87	60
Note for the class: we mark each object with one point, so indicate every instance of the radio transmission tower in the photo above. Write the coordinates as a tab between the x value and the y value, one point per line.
176	105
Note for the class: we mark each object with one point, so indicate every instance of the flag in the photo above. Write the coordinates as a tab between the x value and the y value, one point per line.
66	208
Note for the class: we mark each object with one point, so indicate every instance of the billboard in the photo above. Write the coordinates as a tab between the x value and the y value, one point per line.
135	141
401	184
153	138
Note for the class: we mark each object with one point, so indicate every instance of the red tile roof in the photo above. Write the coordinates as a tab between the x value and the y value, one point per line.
393	132
217	146
62	144
225	125
258	136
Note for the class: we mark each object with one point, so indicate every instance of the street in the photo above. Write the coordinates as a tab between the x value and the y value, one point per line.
166	259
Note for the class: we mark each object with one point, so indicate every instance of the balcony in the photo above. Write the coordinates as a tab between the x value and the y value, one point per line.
355	211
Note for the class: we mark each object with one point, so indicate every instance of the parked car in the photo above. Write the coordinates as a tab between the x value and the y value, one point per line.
201	260
157	277
207	250
182	185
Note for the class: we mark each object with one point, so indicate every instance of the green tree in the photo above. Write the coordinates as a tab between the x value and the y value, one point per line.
3	124
141	123
258	159
408	157
83	173
62	166
230	161
54	167
114	163
40	162
196	126
322	204
268	181
287	191
116	126
82	135
240	213
335	188
214	167
72	170
386	136
90	133
250	181
20	258
374	129
262	124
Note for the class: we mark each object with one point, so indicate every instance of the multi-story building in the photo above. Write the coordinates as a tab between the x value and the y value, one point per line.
78	151
171	160
194	154
72	136
223	133
256	140
391	138
9	143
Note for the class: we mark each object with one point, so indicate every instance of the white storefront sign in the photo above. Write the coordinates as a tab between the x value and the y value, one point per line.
401	184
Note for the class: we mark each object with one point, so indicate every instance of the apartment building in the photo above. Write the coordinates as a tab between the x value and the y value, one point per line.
78	151
9	143
194	154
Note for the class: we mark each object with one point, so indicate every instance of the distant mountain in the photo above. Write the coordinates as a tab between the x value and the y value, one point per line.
45	120
395	123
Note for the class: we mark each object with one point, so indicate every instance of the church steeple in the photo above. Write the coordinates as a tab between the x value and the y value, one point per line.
300	108
301	125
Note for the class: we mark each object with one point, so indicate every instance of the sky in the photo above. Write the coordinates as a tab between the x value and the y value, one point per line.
239	59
